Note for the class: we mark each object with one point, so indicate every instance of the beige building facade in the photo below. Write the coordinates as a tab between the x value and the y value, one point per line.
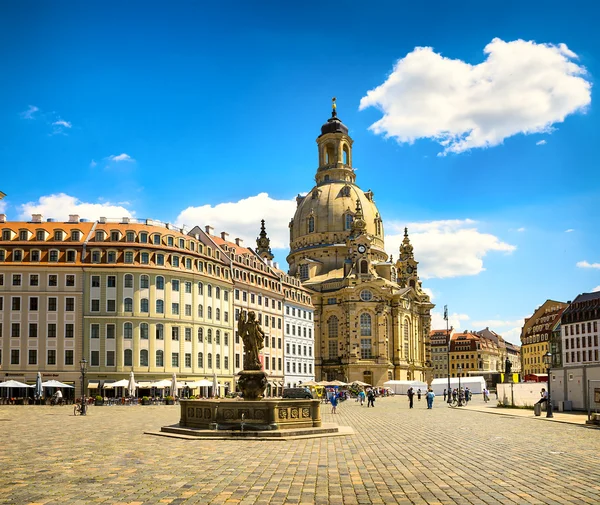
372	318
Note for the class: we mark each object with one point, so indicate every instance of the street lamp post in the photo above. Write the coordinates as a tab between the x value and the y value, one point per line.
548	362
83	368
448	353
458	369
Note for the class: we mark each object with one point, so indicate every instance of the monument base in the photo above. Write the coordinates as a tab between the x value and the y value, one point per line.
248	416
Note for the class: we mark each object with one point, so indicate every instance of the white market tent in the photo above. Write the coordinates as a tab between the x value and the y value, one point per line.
475	384
401	387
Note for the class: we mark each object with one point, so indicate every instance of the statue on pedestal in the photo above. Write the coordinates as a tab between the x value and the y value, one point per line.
253	379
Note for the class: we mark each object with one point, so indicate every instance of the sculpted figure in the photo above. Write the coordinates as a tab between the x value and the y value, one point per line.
253	337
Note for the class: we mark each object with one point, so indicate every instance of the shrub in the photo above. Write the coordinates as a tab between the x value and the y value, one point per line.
99	398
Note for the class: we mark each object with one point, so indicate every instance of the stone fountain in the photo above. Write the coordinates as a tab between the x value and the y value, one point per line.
252	415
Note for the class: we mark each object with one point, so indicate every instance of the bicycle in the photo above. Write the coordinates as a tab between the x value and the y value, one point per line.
458	402
79	409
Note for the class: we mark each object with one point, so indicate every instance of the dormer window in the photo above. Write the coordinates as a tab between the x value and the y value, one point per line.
40	235
99	236
182	243
130	236
6	235
75	236
170	241
35	255
58	235
23	235
115	236
143	238
17	255
53	256
311	224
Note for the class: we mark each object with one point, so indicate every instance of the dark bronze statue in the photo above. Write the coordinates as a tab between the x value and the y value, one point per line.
507	370
253	338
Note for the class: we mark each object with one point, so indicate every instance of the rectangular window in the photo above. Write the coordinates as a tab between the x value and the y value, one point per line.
175	261
175	309
365	348
111	305
32	357
33	330
69	330
175	333
111	281
175	285
52	304
188	310
110	358
16	279
75	236
34	280
95	307
144	258
69	358
188	360
71	256
15	330
175	359
51	330
160	259
96	256
95	281
111	257
53	280
70	280
16	303
188	335
95	358
14	356
35	255
95	331
52	356
69	304
53	256
128	257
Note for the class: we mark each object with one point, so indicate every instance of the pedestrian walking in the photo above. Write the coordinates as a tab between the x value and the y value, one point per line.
411	395
467	395
444	394
370	398
361	397
486	395
419	394
430	396
334	402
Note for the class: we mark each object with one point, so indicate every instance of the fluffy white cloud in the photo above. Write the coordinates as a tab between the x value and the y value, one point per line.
540	143
585	264
242	218
59	207
520	230
120	157
28	114
570	230
448	248
2	206
454	320
596	289
521	87
62	123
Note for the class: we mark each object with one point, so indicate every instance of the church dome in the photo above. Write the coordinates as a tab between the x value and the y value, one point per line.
334	125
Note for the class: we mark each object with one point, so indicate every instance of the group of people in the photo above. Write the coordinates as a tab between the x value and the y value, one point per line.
429	396
462	395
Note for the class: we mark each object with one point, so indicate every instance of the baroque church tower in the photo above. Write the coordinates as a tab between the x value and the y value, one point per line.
372	318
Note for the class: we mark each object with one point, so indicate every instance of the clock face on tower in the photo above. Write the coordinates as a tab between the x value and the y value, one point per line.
362	249
409	269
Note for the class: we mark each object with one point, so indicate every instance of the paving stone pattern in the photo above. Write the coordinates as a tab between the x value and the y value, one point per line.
397	455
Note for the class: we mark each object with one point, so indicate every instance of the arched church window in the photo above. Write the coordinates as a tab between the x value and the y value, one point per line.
332	326
346	155
303	272
311	224
406	332
364	267
348	221
330	155
345	191
365	325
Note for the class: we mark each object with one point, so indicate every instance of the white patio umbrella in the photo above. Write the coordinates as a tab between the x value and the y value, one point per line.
174	385
131	386
39	392
9	384
55	384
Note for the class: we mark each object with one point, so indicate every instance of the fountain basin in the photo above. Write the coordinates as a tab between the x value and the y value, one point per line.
258	415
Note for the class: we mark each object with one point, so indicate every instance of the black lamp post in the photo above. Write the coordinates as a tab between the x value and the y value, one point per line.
83	368
448	353
548	362
458	368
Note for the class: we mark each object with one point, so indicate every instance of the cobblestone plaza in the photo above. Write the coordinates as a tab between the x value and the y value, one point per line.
397	455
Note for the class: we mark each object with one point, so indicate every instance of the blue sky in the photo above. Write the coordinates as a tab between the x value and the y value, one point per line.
207	114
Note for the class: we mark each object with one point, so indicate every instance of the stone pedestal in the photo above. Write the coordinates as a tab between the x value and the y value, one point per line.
234	415
252	384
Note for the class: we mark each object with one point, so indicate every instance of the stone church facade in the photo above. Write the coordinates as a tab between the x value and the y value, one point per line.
372	317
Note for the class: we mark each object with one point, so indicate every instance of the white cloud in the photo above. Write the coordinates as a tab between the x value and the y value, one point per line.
521	87
242	218
59	207
2	206
521	229
28	114
120	157
540	143
596	289
93	164
585	264
429	291
570	230
448	248
454	320
62	123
